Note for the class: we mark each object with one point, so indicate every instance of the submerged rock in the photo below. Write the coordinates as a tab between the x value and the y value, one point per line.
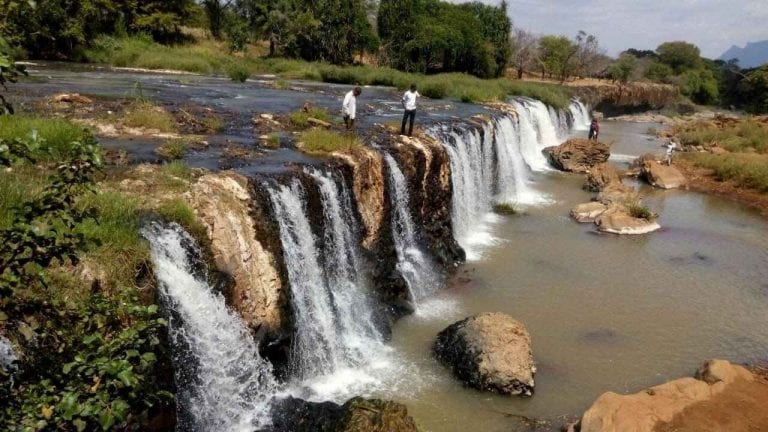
675	402
662	176
578	155
490	351
357	415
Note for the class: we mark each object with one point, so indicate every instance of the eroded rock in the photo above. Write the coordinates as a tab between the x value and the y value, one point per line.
646	411
588	212
578	155
490	351
618	220
662	176
600	176
222	203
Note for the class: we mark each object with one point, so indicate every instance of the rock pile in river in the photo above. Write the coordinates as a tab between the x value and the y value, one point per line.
578	155
490	351
722	397
660	175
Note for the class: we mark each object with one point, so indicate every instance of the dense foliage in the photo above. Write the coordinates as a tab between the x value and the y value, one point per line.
58	28
432	36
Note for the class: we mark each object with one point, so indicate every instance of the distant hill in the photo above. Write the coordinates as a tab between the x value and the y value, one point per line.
753	55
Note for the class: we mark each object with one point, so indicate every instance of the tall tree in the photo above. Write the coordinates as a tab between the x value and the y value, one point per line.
557	54
679	55
525	51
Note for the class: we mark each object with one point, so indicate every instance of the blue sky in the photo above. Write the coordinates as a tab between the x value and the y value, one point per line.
713	25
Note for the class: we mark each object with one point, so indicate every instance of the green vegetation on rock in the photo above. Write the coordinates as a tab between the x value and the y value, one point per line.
148	116
325	141
57	134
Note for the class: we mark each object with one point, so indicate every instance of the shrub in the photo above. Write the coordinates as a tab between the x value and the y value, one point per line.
148	116
435	90
325	141
639	211
273	141
174	149
300	119
238	72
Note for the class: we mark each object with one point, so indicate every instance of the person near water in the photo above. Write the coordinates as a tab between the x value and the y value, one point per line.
409	103
594	130
349	107
671	146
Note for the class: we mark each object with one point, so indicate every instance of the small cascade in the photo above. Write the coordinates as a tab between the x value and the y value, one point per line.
336	337
580	114
418	269
230	386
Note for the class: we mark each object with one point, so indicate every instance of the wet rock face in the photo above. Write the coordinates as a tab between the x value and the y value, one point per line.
649	410
223	203
578	155
662	176
357	415
490	351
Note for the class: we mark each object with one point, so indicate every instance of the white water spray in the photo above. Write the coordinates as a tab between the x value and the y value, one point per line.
232	385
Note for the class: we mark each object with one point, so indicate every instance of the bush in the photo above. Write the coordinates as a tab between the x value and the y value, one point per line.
238	72
174	149
639	211
325	141
148	116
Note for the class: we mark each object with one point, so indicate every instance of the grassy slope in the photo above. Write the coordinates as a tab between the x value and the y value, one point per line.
210	57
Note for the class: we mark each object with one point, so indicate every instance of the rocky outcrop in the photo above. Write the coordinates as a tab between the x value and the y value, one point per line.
601	176
490	351
615	99
588	212
619	220
224	205
578	155
661	406
368	188
357	415
662	176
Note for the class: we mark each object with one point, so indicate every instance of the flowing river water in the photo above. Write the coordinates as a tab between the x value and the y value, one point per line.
606	313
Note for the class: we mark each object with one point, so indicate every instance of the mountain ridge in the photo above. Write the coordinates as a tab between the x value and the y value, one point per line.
754	54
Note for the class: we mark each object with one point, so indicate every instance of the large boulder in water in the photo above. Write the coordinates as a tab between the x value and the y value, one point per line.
662	176
490	351
722	397
588	212
600	176
357	415
619	220
578	155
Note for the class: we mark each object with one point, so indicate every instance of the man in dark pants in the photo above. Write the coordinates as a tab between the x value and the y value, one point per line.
409	103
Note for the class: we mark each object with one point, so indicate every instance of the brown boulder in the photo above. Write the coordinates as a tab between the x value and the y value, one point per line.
578	155
588	212
617	193
618	220
653	409
73	98
601	176
490	351
662	176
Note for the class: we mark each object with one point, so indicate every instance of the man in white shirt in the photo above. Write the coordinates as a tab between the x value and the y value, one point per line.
409	103
349	107
671	147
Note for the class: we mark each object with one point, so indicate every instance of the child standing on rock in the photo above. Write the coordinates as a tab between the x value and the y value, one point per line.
671	146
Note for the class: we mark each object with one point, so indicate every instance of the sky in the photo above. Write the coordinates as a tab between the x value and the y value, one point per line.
713	25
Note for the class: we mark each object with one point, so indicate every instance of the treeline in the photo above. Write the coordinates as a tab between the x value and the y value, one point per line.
557	57
427	36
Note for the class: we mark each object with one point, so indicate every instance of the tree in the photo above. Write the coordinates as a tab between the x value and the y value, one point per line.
216	12
658	71
679	55
9	72
623	69
525	51
587	54
557	53
754	89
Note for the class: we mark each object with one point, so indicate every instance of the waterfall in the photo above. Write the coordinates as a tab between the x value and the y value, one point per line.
231	385
498	165
580	115
418	269
7	354
336	338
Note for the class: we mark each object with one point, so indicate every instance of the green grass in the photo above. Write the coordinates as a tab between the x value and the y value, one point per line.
174	149
238	72
148	116
179	211
325	141
16	187
300	119
746	136
209	57
273	142
57	133
178	169
747	170
639	211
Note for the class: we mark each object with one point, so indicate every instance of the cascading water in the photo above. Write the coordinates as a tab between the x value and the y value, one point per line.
580	114
336	339
497	166
231	385
418	269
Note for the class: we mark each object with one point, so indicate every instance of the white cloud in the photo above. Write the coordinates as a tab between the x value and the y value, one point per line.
713	25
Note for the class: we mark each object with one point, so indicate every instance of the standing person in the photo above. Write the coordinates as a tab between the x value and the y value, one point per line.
594	130
670	150
409	103
349	107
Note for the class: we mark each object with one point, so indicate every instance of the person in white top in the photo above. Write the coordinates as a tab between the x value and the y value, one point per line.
349	107
671	147
409	103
